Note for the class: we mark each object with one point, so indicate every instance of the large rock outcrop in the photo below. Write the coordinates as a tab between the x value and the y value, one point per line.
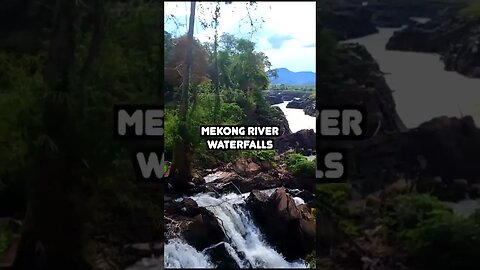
442	155
455	38
355	79
198	226
304	139
289	228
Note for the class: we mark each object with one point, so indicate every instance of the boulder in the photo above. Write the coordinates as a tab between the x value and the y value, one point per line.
246	167
287	227
274	99
219	254
304	138
198	226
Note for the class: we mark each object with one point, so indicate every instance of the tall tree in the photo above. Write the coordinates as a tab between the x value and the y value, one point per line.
53	232
216	81
181	171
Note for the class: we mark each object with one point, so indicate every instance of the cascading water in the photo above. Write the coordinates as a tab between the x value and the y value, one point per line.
246	244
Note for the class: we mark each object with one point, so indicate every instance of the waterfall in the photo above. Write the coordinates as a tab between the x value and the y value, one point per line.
178	254
246	244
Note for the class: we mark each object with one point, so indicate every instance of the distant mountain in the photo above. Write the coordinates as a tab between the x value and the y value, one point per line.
288	77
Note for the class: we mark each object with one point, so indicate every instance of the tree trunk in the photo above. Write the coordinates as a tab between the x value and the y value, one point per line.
52	236
181	166
216	111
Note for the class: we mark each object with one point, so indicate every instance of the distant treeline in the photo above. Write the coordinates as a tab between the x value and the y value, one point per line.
292	87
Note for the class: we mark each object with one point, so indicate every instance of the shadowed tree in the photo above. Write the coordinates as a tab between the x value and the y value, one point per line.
181	171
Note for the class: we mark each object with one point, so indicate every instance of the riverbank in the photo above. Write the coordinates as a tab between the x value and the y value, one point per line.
410	188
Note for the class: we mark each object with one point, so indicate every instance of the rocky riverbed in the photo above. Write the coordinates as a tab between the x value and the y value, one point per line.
449	34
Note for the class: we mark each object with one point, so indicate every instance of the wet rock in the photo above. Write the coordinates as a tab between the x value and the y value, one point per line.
220	255
306	196
198	226
286	226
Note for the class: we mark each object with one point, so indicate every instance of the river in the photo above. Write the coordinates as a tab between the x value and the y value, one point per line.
297	119
422	88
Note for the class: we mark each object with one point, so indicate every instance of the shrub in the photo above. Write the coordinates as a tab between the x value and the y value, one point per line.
311	260
431	234
299	165
407	211
5	238
263	155
334	196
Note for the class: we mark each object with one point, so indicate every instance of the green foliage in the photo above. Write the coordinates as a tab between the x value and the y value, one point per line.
311	260
262	155
407	211
472	11
335	195
5	239
297	88
242	77
299	165
231	114
431	234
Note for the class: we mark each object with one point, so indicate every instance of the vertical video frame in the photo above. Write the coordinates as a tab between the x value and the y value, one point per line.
240	143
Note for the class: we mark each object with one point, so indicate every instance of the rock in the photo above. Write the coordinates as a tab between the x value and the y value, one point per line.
347	24
219	254
449	147
274	99
302	139
246	167
141	250
449	34
288	228
370	91
304	183
310	109
203	230
275	118
306	196
474	191
198	226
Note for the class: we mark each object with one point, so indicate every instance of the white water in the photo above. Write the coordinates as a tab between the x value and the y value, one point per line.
245	238
178	254
297	119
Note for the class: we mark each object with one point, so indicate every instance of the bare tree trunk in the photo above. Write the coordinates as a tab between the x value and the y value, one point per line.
216	111
181	166
187	65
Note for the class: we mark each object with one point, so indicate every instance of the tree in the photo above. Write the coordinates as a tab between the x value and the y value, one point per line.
52	227
181	174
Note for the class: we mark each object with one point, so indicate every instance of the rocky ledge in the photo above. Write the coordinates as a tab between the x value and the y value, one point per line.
449	34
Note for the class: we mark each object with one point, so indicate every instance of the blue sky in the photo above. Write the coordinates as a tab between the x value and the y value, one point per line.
287	35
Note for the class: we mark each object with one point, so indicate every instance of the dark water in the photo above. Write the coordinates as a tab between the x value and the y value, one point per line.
422	88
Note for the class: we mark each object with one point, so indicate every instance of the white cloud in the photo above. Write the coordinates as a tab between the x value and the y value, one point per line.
292	23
